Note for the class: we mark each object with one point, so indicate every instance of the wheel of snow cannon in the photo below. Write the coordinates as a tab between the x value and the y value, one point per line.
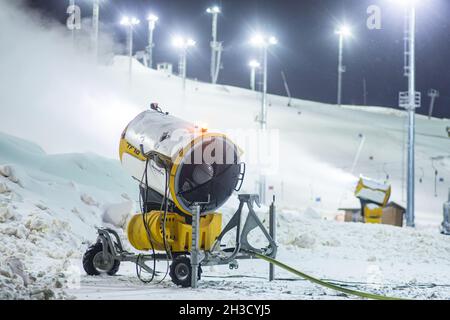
96	263
181	271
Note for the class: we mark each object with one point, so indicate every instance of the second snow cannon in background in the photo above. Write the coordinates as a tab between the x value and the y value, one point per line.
373	196
185	174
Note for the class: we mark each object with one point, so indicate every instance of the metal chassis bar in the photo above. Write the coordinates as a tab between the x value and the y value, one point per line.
243	250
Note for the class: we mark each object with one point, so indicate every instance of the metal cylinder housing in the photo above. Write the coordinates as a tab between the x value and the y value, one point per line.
204	167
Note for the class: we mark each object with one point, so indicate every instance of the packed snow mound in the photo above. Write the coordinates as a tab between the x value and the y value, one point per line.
79	168
49	206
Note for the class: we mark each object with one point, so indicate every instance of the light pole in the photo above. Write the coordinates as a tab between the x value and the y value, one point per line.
183	44
129	23
152	19
95	23
263	42
410	211
254	65
216	47
342	32
410	100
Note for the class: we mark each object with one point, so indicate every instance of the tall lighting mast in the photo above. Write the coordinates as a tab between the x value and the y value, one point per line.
410	100
152	19
264	43
95	24
254	65
216	46
130	23
69	10
183	44
342	32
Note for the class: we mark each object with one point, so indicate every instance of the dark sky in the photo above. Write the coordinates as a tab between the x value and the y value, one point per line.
308	46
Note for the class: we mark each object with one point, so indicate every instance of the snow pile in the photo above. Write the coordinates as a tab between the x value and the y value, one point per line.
49	207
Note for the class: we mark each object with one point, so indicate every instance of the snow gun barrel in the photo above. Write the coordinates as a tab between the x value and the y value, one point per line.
182	160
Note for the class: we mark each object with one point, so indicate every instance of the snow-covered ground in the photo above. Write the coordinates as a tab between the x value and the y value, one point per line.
51	198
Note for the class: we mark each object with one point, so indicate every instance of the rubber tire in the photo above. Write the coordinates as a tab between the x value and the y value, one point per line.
185	283
88	261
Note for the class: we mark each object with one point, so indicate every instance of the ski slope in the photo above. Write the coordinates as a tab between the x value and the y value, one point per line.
316	159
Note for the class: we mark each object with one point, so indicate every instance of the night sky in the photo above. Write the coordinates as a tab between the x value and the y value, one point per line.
308	47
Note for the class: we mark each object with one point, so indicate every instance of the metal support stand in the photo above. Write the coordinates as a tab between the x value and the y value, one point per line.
446	223
113	250
242	246
272	233
195	248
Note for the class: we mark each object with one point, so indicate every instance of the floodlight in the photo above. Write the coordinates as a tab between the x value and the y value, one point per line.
344	31
213	10
259	40
152	18
254	64
127	21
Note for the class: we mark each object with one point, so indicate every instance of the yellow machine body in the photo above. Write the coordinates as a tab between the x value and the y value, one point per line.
178	232
373	214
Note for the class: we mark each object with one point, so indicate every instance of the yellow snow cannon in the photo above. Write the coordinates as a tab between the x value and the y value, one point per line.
185	174
373	196
177	164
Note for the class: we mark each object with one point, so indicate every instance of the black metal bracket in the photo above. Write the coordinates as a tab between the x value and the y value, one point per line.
243	246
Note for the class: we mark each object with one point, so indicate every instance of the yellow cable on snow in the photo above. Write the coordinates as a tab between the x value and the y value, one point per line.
323	283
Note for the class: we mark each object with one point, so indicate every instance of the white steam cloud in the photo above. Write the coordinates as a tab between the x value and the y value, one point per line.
54	94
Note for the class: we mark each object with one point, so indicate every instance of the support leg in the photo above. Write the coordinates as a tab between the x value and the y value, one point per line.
195	247
272	233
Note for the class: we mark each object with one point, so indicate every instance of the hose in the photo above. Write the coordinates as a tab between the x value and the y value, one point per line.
165	203
321	282
142	203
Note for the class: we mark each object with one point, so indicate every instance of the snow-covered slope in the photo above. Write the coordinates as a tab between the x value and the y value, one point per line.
316	158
